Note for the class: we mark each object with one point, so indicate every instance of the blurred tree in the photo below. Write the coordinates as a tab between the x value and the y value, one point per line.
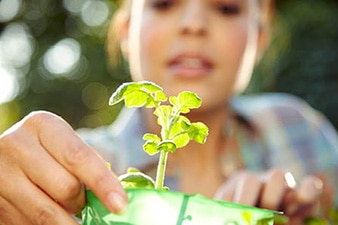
55	50
67	70
303	56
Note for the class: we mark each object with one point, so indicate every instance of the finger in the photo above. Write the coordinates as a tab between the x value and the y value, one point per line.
53	179
23	149
248	190
226	191
35	204
275	186
306	197
9	215
310	190
81	160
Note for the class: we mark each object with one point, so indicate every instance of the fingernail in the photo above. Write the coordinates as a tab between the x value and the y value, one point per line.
290	180
117	203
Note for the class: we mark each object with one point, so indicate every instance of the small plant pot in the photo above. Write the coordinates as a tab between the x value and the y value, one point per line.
155	207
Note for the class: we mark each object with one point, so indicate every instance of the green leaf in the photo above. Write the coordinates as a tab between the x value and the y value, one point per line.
119	94
163	113
150	86
188	100
137	94
151	147
155	98
198	131
137	99
151	137
150	103
122	91
132	170
160	96
136	179
176	127
167	146
174	102
181	140
185	122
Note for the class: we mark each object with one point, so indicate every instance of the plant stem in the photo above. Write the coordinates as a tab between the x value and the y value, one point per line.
162	162
161	170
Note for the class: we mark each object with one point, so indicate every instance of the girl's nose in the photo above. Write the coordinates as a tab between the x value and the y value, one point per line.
194	18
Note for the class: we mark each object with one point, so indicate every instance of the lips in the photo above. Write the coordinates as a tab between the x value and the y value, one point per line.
190	65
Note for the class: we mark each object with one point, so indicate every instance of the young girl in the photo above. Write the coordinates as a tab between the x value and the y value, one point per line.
271	151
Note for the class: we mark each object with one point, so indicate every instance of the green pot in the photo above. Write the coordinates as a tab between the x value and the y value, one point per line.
154	207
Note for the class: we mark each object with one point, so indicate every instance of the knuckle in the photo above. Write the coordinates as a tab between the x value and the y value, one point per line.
38	117
77	155
45	215
13	139
3	209
9	215
71	196
99	180
68	189
26	126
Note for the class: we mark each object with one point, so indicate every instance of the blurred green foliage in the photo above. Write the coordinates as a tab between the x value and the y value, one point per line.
301	60
303	56
80	94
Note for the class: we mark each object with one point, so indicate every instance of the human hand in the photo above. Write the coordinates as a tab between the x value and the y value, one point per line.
44	166
275	190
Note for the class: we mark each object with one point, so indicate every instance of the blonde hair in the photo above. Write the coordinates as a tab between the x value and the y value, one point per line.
120	17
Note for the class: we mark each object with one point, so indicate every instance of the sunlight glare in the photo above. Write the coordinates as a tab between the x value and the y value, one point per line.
16	44
63	57
8	85
73	6
9	9
95	13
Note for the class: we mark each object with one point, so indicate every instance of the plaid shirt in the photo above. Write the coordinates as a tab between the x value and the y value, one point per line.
289	134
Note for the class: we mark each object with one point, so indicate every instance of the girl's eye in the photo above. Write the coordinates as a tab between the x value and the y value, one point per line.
228	9
162	4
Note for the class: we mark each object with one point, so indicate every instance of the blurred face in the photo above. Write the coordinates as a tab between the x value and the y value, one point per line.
205	46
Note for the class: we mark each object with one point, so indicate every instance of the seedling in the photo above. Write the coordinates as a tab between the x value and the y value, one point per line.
176	129
176	132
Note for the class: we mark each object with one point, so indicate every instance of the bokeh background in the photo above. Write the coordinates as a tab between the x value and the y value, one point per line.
53	57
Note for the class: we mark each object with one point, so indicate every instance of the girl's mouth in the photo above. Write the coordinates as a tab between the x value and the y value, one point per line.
190	65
